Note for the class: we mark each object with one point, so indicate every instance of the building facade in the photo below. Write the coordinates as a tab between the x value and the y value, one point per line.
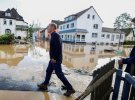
130	37
12	22
86	27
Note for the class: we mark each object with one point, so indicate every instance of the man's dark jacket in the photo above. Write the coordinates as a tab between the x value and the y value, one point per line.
56	47
130	62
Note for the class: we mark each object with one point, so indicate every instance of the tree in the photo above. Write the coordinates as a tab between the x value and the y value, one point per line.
30	31
123	21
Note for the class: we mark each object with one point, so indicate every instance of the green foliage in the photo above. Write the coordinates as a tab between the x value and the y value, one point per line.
6	38
129	43
123	21
30	31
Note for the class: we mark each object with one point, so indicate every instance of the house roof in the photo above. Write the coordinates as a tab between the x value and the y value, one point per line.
74	30
14	14
111	30
77	15
58	22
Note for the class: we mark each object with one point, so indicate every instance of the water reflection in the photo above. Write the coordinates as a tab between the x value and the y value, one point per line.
12	54
79	55
34	59
27	64
74	55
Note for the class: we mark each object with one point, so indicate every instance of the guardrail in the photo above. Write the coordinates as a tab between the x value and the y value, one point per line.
128	92
100	87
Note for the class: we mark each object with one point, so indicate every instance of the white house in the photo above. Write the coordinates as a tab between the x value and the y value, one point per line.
86	27
130	36
12	22
111	36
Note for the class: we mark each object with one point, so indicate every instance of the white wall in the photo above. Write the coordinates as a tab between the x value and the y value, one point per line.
12	27
23	34
7	26
84	23
130	37
109	40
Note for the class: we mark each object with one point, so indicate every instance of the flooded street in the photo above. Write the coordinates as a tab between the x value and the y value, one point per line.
22	67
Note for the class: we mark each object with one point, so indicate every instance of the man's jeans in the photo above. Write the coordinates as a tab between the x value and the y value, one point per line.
58	71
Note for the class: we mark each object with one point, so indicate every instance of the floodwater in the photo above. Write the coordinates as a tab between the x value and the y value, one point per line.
27	63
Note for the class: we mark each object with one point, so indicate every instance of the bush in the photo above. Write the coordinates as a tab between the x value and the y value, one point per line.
6	38
129	43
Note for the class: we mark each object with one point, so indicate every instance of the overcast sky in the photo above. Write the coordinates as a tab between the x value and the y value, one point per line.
44	11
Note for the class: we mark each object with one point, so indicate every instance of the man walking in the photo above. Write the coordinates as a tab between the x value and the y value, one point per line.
55	61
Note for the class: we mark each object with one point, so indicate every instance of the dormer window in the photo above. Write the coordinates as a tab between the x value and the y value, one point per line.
69	18
7	14
66	19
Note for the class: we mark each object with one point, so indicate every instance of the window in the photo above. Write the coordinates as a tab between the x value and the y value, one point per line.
7	14
94	35
93	17
103	35
113	36
7	31
72	25
63	26
5	22
62	36
66	19
108	36
67	25
83	36
121	37
117	37
88	16
10	22
95	26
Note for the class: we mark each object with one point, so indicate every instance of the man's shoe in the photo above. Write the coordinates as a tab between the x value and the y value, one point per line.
42	86
69	92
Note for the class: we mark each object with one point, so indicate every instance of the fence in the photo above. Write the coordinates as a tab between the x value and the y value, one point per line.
129	84
100	87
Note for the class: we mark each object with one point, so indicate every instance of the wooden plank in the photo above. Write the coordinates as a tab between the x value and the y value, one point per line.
96	84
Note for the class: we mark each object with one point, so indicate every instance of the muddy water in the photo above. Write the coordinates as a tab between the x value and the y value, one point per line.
18	95
28	63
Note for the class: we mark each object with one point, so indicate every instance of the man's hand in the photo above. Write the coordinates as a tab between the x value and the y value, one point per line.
53	61
120	62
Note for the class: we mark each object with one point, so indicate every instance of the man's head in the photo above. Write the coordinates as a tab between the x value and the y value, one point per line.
51	28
